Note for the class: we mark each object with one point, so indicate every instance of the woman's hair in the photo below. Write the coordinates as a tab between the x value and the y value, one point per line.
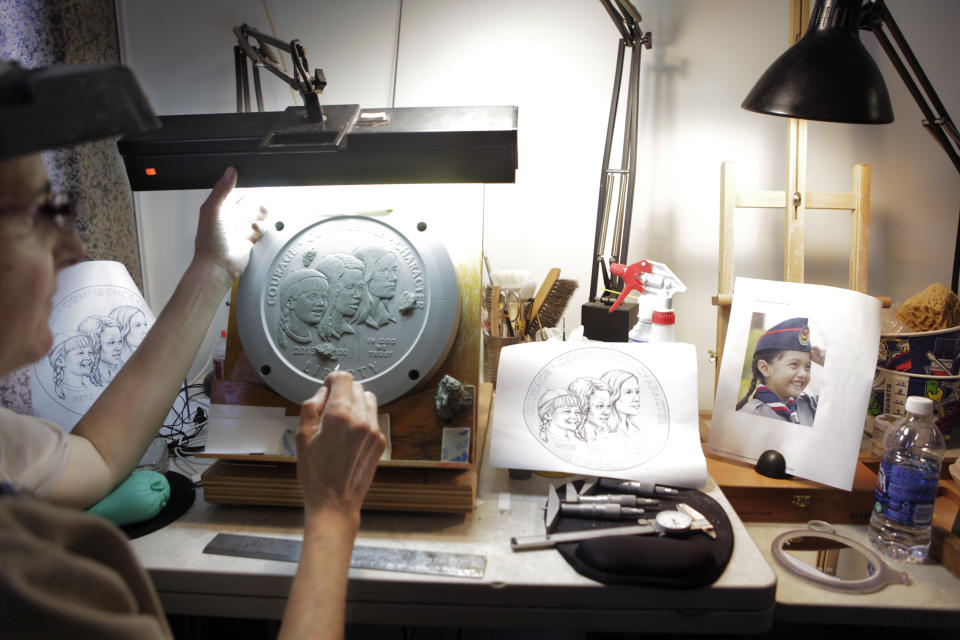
583	388
124	314
369	255
615	379
93	327
59	353
767	355
334	265
550	402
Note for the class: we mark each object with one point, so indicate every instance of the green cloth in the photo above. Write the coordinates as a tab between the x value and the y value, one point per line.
138	498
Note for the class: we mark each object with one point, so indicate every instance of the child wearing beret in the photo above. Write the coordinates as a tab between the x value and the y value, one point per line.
781	371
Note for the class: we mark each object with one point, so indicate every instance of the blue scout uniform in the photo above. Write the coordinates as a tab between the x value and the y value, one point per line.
789	335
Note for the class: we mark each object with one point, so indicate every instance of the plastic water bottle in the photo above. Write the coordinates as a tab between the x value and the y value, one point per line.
913	449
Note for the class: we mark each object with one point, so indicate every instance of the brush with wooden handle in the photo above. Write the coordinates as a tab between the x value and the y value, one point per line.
552	276
496	310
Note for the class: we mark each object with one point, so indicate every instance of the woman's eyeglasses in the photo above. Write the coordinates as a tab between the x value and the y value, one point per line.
59	208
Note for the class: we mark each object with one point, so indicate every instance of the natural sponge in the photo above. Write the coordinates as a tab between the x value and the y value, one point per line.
936	307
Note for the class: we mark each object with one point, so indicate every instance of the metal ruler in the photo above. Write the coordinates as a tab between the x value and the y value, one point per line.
458	565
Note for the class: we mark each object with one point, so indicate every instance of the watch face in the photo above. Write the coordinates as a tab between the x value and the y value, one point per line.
673	521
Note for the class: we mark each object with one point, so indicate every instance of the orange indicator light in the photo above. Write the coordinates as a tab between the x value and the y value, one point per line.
150	171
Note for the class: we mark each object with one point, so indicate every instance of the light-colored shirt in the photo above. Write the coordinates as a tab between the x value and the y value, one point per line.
33	452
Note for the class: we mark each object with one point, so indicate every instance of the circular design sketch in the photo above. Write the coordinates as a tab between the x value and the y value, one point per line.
598	408
95	330
351	292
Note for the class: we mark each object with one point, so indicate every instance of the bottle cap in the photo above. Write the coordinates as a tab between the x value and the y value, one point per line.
664	317
919	405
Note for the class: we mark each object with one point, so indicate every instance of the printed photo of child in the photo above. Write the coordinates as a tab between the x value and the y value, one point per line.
780	372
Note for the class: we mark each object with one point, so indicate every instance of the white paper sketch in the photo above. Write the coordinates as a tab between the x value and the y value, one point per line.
796	376
98	320
617	409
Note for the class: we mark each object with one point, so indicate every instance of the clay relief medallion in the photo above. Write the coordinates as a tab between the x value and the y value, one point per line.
347	292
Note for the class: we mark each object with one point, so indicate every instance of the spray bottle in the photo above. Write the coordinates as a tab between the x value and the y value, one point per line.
655	316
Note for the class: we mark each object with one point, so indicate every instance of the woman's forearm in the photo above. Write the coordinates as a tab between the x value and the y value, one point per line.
316	605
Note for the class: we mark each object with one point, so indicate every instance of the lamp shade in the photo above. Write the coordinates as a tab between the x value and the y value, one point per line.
827	75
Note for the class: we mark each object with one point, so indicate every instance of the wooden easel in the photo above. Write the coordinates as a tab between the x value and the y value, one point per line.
856	203
794	202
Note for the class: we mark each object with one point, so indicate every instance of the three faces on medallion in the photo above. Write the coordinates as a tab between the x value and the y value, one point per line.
320	303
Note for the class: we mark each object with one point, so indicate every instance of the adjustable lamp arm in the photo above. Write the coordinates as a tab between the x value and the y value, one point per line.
627	21
936	120
309	87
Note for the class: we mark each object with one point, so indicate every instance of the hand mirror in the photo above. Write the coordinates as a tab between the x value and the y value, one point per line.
834	562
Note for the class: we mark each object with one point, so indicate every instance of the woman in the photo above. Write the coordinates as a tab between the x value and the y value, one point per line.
104	332
303	302
68	570
380	278
345	274
133	328
72	361
594	396
625	401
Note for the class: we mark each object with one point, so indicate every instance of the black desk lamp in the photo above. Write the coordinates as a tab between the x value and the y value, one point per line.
598	322
829	75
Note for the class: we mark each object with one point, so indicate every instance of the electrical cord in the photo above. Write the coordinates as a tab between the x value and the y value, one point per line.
186	433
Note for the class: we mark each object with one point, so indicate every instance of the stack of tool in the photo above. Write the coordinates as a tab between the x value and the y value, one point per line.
513	314
625	532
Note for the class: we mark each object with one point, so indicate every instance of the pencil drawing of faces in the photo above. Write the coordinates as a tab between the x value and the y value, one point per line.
133	327
594	395
303	303
626	400
345	274
624	419
72	362
77	364
104	333
111	346
559	415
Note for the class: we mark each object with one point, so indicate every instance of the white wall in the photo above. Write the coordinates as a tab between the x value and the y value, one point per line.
555	60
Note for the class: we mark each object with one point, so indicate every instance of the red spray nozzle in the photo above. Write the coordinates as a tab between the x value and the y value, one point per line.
631	275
